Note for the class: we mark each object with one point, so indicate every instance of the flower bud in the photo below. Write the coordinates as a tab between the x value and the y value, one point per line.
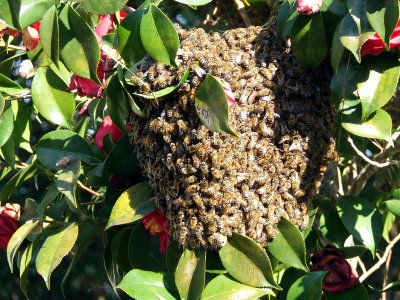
30	36
9	216
64	162
308	7
26	69
157	224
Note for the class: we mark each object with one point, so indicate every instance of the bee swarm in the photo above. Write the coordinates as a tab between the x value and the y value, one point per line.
212	184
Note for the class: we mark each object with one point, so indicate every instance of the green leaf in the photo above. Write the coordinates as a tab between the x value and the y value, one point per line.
144	285
26	259
393	206
383	16
9	12
190	273
103	7
79	48
66	182
354	251
222	287
166	91
247	262
129	43
17	238
309	41
2	103
9	86
159	36
356	292
174	253
56	246
380	86
212	106
49	34
51	98
378	127
332	227
288	246
144	250
287	15
6	126
21	134
132	205
337	49
194	2
307	287
62	143
32	11
391	287
7	152
362	220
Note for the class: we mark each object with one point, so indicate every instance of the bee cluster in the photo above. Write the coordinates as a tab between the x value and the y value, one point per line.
211	184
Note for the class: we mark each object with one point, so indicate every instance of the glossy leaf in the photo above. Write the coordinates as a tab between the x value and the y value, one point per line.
394	206
51	98
2	103
307	287
103	7
56	246
159	36
337	49
9	86
132	205
49	34
7	152
66	182
354	251
190	273
32	11
212	105
59	144
378	127
144	285
309	41
26	259
222	287
288	246
383	17
79	49
380	86
356	292
9	12
174	253
129	43
287	15
17	239
6	126
362	220
247	262
21	134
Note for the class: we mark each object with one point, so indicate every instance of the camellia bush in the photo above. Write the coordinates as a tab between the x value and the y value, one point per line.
203	149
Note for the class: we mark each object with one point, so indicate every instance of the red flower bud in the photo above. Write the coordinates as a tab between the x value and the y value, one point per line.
308	7
340	275
375	45
30	36
9	216
107	127
157	224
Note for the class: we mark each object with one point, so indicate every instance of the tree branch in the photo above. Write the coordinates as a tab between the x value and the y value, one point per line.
89	190
242	11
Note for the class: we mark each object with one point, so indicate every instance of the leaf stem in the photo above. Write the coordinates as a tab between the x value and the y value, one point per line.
89	190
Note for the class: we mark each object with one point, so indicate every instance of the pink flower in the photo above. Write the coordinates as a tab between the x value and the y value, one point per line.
375	45
157	224
308	7
229	94
9	216
340	275
105	25
107	127
26	69
30	36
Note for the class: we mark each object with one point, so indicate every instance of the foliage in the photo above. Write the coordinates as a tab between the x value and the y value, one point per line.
88	180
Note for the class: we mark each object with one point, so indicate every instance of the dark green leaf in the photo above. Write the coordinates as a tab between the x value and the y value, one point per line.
190	273
103	7
378	127
120	251
308	287
32	11
66	182
212	105
8	86
391	287
159	36
7	152
332	227
393	206
288	246
356	292
117	102
21	133
51	98
59	144
17	239
247	262
287	15
354	251
309	41
9	12
129	43
49	34
174	253
79	48
362	220
132	205
144	285
49	196
337	49
26	259
222	287
2	103
6	126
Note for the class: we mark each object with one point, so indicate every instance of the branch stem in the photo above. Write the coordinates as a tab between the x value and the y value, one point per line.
87	189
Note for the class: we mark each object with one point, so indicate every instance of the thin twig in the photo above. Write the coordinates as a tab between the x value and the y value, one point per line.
242	11
12	47
89	190
93	202
382	260
385	275
364	157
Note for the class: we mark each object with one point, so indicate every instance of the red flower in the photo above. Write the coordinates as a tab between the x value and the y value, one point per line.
340	276
375	45
105	25
308	7
9	216
107	127
30	36
4	29
157	224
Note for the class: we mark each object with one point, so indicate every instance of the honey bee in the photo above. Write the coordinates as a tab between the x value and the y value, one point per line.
217	174
265	130
182	125
160	68
151	73
196	161
198	201
169	162
217	240
190	179
185	56
182	239
192	223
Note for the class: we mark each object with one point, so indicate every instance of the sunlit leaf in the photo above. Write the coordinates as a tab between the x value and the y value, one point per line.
9	86
66	182
32	11
49	34
102	7
287	15
307	287
6	126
